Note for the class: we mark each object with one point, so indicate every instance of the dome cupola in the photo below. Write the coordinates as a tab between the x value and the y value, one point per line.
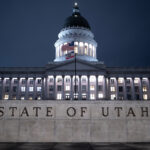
76	33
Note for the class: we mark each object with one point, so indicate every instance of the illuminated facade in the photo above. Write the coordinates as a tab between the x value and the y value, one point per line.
56	81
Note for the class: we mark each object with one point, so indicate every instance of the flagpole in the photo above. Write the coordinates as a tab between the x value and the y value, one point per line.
75	76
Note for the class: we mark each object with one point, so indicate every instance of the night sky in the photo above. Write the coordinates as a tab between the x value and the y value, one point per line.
29	29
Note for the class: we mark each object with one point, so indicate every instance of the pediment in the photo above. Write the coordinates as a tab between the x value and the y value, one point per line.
70	66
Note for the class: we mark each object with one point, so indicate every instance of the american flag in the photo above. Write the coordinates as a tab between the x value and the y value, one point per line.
70	55
68	46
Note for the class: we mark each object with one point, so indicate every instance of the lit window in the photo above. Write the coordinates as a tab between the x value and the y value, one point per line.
136	80
100	95
112	89
30	98
76	49
39	97
67	87
92	78
144	89
23	89
31	89
120	80
22	98
92	87
59	96
39	89
92	96
145	97
113	96
84	80
100	78
6	96
81	44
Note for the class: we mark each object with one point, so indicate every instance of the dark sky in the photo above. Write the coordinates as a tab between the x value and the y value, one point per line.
29	28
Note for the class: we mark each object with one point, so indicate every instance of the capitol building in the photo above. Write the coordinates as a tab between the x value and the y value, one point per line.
76	76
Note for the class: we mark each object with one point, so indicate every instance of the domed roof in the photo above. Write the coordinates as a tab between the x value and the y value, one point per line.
76	20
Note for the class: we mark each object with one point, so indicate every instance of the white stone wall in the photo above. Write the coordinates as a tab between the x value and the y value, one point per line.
74	121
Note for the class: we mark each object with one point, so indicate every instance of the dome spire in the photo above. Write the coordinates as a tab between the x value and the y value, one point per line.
75	8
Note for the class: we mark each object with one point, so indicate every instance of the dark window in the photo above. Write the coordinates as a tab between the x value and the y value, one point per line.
100	87
129	96
112	81
128	81
83	88
59	88
14	89
59	80
15	81
67	80
120	89
137	97
23	81
31	81
6	89
7	81
83	80
128	89
136	89
50	88
39	81
120	97
51	80
75	88
0	81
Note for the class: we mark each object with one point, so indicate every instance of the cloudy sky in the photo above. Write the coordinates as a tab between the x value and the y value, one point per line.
29	29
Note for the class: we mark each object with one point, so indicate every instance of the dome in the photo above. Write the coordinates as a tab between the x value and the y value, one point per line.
76	20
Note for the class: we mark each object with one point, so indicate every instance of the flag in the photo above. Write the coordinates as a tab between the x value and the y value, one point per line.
70	55
68	46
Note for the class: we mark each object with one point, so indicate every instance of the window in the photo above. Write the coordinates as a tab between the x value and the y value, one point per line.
144	89
67	88
50	88
92	96
51	80
144	80
120	97
128	89
22	98
120	80
23	89
59	88
112	81
136	80
76	79
0	81
100	78
14	89
15	81
127	81
7	81
92	87
39	81
39	89
23	81
30	98
7	89
14	97
92	79
75	88
129	96
76	49
83	80
84	96
137	97
100	95
59	80
120	89
67	80
75	96
6	96
100	88
112	89
59	96
145	97
31	81
83	88
113	96
39	97
67	96
31	89
136	89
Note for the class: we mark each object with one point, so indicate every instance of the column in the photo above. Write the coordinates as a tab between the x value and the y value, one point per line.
54	90
108	88
10	88
18	96
71	88
148	88
88	95
34	89
63	94
116	88
104	88
43	89
79	87
27	88
140	89
133	90
124	91
96	87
